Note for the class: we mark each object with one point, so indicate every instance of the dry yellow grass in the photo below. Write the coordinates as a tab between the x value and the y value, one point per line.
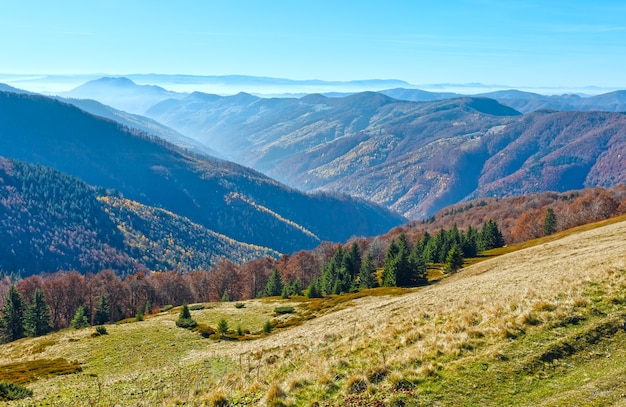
406	338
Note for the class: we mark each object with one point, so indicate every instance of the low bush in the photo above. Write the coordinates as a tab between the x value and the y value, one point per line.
187	323
204	330
239	305
12	391
100	330
267	327
166	308
196	307
284	310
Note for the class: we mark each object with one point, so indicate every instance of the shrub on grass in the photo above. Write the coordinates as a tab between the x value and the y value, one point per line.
196	307
204	330
166	308
239	305
284	310
12	391
184	318
100	330
267	327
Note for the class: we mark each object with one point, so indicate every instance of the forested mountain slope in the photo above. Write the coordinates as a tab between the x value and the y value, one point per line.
221	196
50	221
413	157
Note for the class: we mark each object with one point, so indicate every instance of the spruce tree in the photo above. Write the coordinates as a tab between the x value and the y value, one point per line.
184	318
490	236
549	223
80	319
454	259
367	274
37	321
404	272
12	322
418	266
469	242
354	260
103	311
274	286
390	267
314	290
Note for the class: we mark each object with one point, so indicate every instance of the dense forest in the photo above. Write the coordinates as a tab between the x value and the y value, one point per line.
51	221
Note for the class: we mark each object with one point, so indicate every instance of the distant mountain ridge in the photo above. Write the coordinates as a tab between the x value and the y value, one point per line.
221	196
414	157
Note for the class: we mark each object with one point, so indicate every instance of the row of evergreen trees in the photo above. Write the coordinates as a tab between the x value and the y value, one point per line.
404	266
20	319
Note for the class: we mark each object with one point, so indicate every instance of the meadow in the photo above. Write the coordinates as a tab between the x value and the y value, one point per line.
535	324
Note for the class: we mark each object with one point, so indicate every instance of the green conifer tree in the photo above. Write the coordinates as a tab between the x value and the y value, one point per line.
12	322
549	223
80	318
390	267
103	311
184	318
490	236
37	321
367	274
314	290
454	259
274	286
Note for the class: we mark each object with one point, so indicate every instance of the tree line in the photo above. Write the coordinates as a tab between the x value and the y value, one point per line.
68	298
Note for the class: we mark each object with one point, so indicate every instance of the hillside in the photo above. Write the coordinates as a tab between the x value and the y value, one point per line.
369	145
538	326
50	221
141	123
224	197
526	102
413	157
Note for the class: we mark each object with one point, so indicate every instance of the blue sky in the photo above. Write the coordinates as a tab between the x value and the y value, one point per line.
526	43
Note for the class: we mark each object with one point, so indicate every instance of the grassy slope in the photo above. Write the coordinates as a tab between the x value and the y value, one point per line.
536	326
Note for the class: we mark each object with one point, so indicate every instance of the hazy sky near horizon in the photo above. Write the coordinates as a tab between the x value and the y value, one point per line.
531	43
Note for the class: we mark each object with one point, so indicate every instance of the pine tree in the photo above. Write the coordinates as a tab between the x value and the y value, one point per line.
454	259
367	274
37	321
222	327
353	263
469	242
184	318
417	263
549	223
274	285
490	236
80	319
12	322
295	287
390	267
404	272
103	311
314	290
